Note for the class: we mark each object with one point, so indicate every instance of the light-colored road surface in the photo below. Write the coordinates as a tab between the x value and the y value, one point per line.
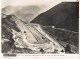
34	37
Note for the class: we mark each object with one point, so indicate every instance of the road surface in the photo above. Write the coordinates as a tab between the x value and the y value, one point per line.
35	38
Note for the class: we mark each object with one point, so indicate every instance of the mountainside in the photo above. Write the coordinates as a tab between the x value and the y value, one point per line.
18	35
64	37
25	13
7	25
64	15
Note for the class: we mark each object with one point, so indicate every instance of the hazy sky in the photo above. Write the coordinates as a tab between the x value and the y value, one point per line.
41	5
31	2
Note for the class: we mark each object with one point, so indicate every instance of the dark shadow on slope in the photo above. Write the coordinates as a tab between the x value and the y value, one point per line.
64	15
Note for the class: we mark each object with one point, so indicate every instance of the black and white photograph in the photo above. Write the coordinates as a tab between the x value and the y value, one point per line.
40	27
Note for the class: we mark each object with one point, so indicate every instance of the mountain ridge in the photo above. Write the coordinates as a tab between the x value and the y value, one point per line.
64	15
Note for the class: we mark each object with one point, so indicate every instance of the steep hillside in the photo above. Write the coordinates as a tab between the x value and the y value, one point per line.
7	25
64	37
64	15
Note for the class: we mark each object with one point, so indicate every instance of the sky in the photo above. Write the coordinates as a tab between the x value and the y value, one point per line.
31	2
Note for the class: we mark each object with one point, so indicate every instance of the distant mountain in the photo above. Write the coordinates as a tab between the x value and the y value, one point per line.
10	10
64	15
25	13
